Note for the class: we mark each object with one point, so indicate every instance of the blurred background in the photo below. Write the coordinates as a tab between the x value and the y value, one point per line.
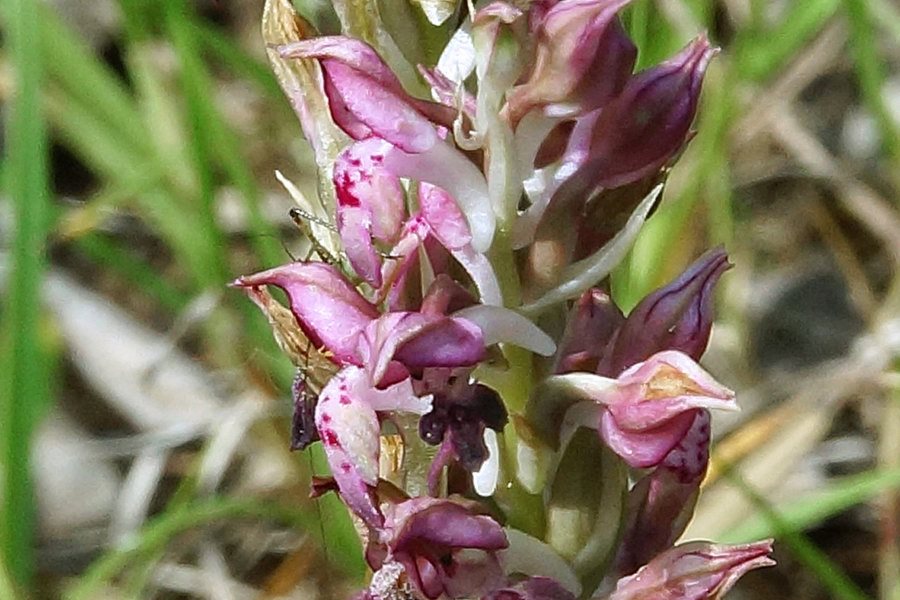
144	407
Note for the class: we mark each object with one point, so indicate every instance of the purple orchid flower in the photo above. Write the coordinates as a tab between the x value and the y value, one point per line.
367	100
378	354
695	571
538	132
653	405
677	316
440	547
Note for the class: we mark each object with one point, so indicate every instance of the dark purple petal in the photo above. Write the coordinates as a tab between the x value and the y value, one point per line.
418	340
533	588
689	459
662	503
590	327
647	125
445	546
460	412
677	316
446	525
327	307
450	342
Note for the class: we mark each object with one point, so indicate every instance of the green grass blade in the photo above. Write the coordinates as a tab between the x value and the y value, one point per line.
887	15
807	511
236	59
109	252
830	575
761	53
160	531
226	148
86	80
341	542
24	387
7	588
208	237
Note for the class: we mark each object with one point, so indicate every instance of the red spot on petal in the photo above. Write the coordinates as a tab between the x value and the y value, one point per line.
345	400
330	438
326	418
345	467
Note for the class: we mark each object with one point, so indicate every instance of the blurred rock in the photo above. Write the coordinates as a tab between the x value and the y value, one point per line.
811	320
136	370
74	487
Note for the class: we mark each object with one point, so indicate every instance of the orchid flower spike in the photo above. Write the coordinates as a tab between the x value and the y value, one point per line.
477	393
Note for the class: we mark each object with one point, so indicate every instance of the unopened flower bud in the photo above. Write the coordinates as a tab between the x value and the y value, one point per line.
649	122
591	326
583	59
677	316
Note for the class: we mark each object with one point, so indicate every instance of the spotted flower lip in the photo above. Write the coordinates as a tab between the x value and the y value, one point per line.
694	571
346	418
370	205
367	100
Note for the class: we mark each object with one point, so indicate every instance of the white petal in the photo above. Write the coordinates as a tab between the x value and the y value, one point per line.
485	478
585	273
458	59
499	324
